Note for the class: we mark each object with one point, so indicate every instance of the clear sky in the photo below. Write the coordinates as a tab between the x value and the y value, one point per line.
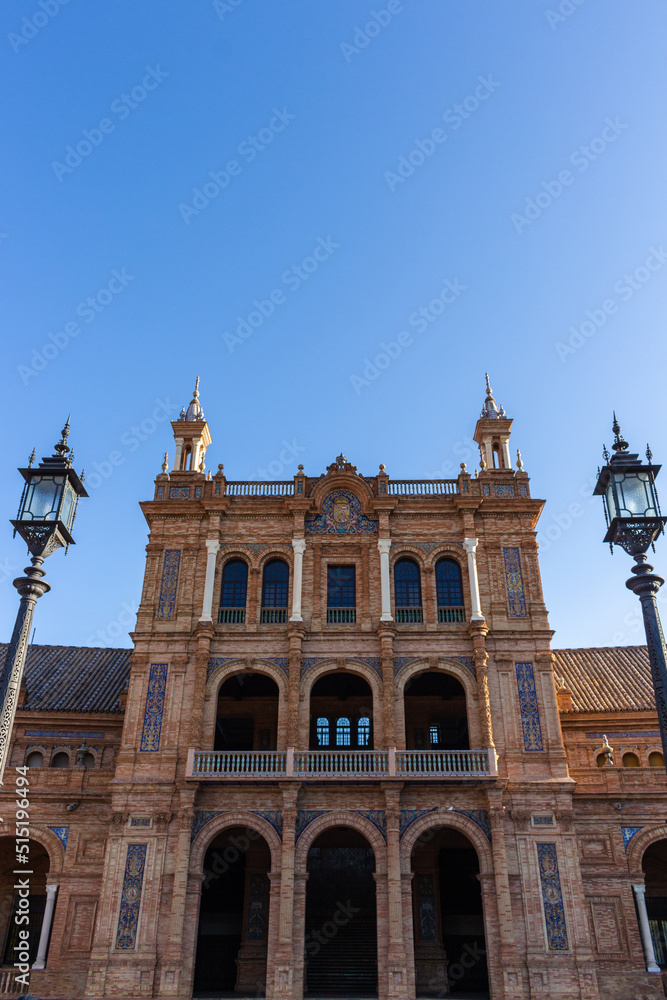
168	165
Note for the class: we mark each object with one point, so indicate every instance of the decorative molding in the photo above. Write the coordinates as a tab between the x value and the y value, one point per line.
130	901
62	833
514	581
64	736
552	897
179	493
169	584
341	515
530	715
157	686
628	833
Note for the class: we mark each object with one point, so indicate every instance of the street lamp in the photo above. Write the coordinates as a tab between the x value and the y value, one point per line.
634	521
44	521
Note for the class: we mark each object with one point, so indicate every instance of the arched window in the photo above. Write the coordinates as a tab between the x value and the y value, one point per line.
601	760
275	587
88	760
233	592
364	731
35	759
655	759
407	591
449	586
342	732
323	732
630	760
60	760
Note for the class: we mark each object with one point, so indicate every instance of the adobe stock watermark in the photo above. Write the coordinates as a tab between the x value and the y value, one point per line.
130	440
120	625
292	279
32	25
224	7
342	915
464	449
581	158
88	310
121	108
249	149
454	117
419	320
564	11
378	20
276	467
626	288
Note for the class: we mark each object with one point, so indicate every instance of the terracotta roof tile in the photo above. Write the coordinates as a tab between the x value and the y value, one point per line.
613	679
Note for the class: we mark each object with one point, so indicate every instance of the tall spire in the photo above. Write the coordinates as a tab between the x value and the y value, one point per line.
492	434
194	410
620	445
490	409
191	435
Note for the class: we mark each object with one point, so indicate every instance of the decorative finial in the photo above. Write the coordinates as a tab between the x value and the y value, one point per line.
196	392
463	467
620	444
165	462
382	468
649	454
202	464
489	390
82	477
61	448
519	463
300	470
32	458
605	454
490	408
482	461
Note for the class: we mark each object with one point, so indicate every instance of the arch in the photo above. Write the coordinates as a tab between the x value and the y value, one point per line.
234	583
224	821
351	666
407	583
445	666
60	755
630	759
51	843
455	821
638	846
342	480
449	583
222	673
340	817
655	758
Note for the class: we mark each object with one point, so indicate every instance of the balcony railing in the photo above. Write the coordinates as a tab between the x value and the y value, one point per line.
341	616
451	614
350	765
273	616
231	616
409	615
264	489
421	487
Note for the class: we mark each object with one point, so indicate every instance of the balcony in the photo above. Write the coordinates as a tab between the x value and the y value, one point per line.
345	765
273	616
231	616
408	616
451	614
341	616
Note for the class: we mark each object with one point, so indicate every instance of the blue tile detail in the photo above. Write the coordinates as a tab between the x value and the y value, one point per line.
280	661
274	817
375	816
200	818
169	585
65	736
179	492
305	817
467	662
62	833
514	581
199	492
159	493
504	490
341	515
409	816
628	833
530	715
402	661
309	662
523	490
552	897
480	817
218	661
374	662
486	490
543	821
130	900
157	685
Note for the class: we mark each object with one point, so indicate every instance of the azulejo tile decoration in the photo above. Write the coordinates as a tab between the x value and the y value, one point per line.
402	661
467	662
256	907
159	493
179	492
514	580
62	833
218	661
201	818
199	492
157	685
280	661
409	816
552	897
130	900
169	585
530	714
341	514
504	490
308	662
426	896
480	817
374	662
375	816
305	817
628	833
274	817
486	490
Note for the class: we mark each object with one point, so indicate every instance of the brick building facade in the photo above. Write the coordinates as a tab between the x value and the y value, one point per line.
342	757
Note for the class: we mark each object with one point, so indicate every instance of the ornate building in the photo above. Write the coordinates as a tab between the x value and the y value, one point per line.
341	758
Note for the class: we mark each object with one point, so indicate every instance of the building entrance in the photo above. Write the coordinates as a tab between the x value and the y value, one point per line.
341	929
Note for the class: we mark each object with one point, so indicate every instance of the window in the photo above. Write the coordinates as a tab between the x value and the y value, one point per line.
364	732
233	593
88	760
342	732
655	759
35	759
449	586
60	760
630	760
323	732
275	587
407	591
341	594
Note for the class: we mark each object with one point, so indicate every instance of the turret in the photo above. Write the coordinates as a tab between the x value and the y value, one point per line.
492	434
191	436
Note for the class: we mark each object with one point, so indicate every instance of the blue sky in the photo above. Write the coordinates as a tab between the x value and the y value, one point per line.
176	163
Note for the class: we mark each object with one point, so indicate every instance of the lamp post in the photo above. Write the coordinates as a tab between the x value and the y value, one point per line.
46	514
634	521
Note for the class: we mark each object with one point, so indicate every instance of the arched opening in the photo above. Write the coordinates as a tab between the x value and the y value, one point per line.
341	713
275	589
407	591
234	916
233	593
10	902
247	717
88	760
60	759
435	713
655	759
449	589
341	925
654	865
630	760
450	949
35	759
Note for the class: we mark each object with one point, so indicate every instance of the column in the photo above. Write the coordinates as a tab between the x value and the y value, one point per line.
396	959
384	544
470	545
282	972
299	546
507	461
40	961
212	547
178	454
640	894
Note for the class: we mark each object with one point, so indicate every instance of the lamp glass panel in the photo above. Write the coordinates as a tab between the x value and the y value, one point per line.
42	498
636	496
67	512
611	501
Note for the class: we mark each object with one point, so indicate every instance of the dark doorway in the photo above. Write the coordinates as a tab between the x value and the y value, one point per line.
435	713
233	916
247	716
450	949
341	713
654	864
341	927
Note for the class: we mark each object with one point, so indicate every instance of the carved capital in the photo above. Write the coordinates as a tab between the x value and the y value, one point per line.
162	820
521	819
566	818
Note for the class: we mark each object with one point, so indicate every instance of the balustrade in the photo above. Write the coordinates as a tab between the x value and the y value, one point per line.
263	489
341	616
422	487
451	614
273	616
408	615
231	616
